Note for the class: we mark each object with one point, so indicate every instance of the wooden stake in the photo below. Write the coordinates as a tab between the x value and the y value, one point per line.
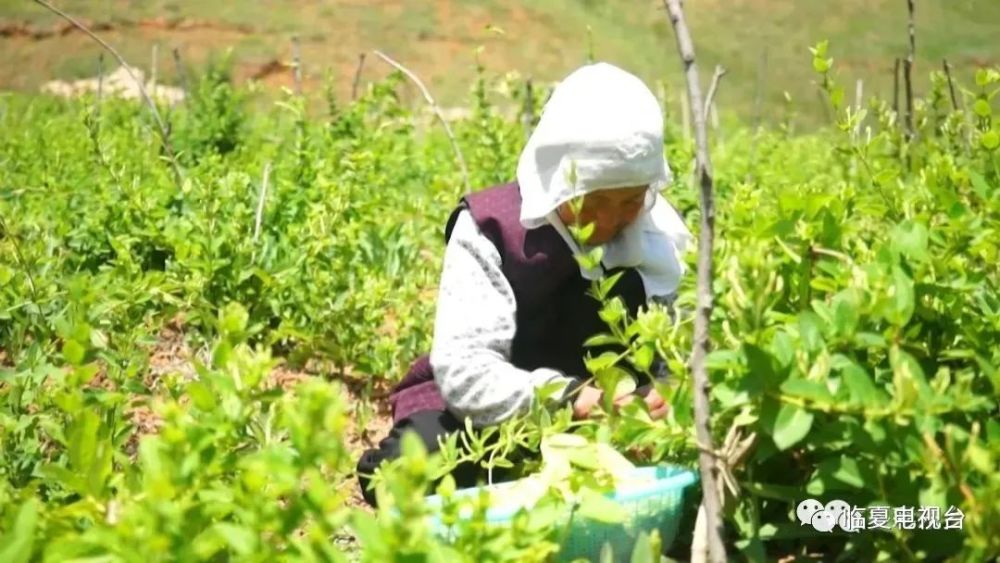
706	457
858	100
100	78
951	85
908	70
152	68
528	113
260	201
296	65
357	76
181	72
895	86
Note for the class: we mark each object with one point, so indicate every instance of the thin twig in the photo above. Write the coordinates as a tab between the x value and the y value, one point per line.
908	70
162	127
262	195
357	76
706	462
951	84
895	86
437	112
296	65
712	89
100	78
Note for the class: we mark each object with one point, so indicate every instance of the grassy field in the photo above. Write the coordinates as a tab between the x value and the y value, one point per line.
439	40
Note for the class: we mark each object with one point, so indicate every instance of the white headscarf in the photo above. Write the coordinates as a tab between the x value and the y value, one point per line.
606	122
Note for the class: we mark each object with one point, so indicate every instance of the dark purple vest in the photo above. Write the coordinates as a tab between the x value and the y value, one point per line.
555	313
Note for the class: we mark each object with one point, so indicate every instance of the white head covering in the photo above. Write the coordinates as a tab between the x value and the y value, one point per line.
606	122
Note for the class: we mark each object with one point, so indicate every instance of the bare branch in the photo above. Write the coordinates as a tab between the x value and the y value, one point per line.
706	461
162	127
357	76
437	112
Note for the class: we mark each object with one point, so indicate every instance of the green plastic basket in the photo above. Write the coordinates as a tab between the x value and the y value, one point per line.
656	504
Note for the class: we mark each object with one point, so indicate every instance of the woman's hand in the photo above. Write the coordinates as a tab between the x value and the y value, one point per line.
585	401
658	408
589	396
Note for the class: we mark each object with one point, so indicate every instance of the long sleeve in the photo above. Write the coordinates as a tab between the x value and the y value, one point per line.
474	330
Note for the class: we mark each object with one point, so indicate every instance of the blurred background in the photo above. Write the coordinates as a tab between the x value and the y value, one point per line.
762	43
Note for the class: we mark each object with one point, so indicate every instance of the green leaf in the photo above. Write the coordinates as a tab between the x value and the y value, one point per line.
809	331
239	538
806	389
584	457
845	313
836	95
603	339
613	311
83	438
643	552
643	357
910	239
982	108
69	480
908	378
990	140
17	545
73	352
979	184
842	469
233	319
607	284
595	506
860	386
602	362
902	297
982	77
367	529
791	426
201	396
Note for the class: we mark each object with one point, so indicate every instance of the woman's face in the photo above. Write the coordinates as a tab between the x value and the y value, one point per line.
610	210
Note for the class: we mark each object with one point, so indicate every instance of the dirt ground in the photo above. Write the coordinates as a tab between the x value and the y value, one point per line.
172	354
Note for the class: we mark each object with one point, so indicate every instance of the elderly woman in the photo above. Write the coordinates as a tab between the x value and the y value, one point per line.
513	310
